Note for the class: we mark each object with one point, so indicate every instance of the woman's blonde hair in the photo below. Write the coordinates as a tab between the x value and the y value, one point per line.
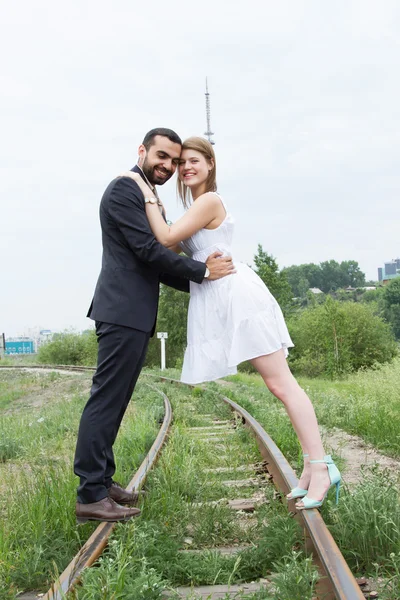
205	148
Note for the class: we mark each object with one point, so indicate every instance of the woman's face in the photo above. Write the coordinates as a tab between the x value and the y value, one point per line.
193	168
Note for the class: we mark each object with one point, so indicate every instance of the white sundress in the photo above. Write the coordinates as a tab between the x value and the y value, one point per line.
230	320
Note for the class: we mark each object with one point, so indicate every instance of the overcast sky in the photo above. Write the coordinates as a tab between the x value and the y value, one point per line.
304	104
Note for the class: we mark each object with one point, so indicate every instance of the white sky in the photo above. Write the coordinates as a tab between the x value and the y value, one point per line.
304	104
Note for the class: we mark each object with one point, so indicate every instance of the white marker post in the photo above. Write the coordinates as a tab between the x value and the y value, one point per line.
162	336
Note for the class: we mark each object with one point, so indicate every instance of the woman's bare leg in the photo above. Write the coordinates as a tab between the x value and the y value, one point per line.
277	376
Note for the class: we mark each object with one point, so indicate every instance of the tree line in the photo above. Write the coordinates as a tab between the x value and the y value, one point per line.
334	333
328	276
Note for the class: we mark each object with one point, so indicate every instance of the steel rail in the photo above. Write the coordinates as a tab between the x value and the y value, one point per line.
77	368
55	367
95	545
336	580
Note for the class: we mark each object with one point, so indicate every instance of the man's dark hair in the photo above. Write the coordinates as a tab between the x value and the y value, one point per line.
168	133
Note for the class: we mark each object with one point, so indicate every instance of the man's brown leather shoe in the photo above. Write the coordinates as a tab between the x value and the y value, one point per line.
121	495
104	510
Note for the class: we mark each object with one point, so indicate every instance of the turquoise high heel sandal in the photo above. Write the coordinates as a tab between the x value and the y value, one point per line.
297	492
335	478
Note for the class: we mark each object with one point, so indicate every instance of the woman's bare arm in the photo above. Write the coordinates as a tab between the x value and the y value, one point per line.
202	212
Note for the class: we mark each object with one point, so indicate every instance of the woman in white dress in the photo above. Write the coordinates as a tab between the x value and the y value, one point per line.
235	318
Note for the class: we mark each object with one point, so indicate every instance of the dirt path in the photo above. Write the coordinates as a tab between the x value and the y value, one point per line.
41	390
356	453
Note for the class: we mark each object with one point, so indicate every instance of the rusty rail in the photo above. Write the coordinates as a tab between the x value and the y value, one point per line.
79	368
336	580
95	545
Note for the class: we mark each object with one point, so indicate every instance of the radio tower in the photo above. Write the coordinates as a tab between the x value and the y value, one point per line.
208	133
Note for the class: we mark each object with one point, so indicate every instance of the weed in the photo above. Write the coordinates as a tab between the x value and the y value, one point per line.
295	579
366	523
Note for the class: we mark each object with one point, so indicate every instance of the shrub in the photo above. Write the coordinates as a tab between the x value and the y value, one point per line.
391	298
70	348
172	318
338	338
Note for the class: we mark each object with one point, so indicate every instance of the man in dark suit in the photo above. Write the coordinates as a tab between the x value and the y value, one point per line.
124	308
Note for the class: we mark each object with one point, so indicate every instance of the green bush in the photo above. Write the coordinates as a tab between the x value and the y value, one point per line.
338	338
393	316
391	298
153	356
70	348
373	295
172	318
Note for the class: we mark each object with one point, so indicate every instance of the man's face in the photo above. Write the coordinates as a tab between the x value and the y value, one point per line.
159	162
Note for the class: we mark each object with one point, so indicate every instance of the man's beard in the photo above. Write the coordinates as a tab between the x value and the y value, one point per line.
152	175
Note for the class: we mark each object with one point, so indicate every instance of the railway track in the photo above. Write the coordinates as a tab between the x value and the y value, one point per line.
336	580
69	368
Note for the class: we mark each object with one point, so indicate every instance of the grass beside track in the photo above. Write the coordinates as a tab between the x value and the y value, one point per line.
366	404
38	532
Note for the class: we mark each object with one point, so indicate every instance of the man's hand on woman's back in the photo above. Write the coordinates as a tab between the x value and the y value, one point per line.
219	266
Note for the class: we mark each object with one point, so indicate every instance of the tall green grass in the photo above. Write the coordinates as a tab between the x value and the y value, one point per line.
365	404
38	532
12	388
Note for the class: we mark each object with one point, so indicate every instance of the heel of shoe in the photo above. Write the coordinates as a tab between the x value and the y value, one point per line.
335	477
81	520
337	491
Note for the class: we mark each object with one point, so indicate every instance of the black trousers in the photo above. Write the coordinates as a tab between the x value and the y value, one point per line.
122	351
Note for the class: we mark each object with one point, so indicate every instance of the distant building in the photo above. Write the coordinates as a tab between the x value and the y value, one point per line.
44	336
315	291
391	270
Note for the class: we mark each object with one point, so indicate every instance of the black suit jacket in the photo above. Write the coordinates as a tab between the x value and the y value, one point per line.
134	262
